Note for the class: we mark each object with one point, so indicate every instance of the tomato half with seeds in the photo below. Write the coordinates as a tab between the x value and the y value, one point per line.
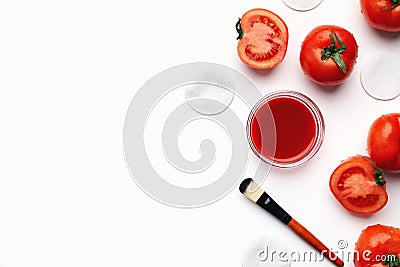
263	39
382	14
359	185
378	246
328	55
383	143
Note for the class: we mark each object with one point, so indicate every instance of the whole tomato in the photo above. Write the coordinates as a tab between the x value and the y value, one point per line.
383	142
328	55
378	246
382	14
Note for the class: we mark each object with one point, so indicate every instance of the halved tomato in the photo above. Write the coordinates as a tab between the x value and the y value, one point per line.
263	39
359	185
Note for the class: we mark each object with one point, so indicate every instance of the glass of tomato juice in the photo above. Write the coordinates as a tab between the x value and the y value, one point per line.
285	129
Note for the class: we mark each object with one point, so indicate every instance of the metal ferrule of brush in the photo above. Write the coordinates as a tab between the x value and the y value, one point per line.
267	203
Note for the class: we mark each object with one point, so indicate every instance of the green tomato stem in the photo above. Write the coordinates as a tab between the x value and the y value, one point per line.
379	180
396	3
391	260
239	30
334	52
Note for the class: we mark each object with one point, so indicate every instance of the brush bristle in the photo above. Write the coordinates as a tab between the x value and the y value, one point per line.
244	184
251	189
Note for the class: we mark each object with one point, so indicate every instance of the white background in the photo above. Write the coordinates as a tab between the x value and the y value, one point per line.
68	71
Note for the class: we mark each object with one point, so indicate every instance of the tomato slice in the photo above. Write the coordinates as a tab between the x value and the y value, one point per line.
263	40
359	186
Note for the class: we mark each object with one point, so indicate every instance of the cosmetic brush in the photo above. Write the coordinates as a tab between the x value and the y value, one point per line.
256	194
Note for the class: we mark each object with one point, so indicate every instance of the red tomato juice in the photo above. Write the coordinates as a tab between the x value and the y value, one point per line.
283	129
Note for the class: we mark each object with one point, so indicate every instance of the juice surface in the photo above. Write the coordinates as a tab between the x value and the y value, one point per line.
289	122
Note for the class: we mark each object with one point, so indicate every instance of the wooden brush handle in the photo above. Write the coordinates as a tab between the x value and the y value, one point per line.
313	241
